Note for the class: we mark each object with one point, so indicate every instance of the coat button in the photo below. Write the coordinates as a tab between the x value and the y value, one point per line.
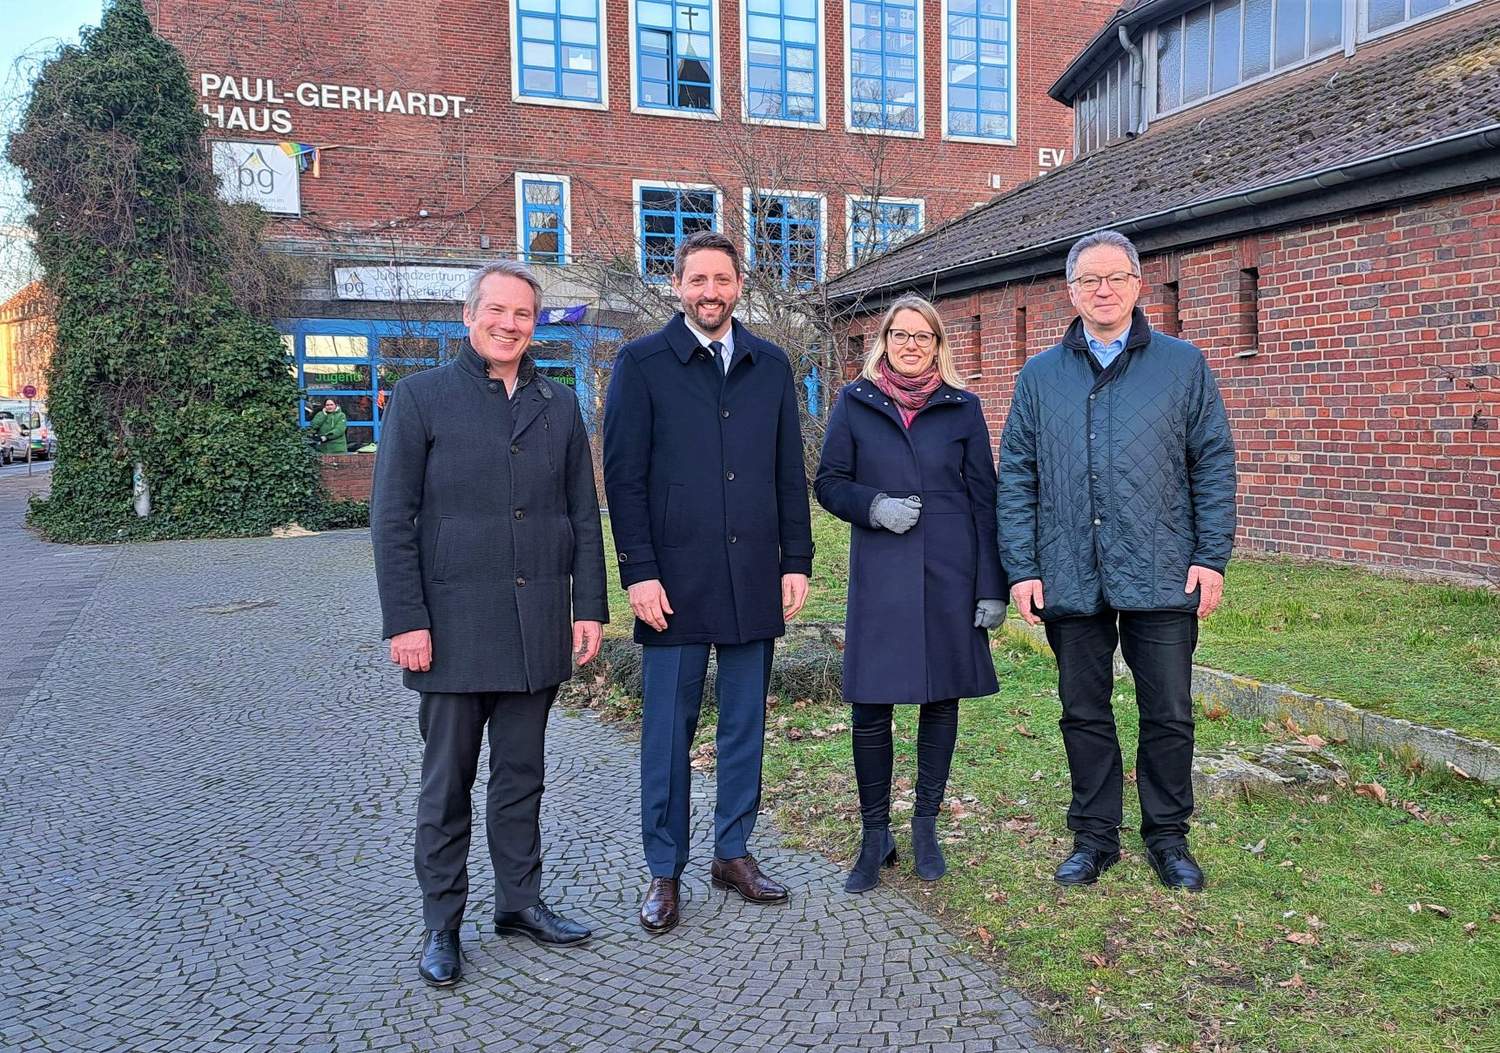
520	513
515	447
732	539
1091	435
494	386
624	557
1098	521
729	476
521	583
1091	398
726	413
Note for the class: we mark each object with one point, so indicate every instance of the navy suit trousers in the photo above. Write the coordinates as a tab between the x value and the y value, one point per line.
673	677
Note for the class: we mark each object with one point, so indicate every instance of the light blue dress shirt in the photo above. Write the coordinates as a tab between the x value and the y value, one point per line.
1104	353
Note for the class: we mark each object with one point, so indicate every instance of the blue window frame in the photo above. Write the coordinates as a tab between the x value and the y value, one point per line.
668	215
675	60
786	237
979	59
558	50
781	60
876	226
883	65
543	219
356	362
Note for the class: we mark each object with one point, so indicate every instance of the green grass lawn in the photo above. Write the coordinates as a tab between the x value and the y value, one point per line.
1429	653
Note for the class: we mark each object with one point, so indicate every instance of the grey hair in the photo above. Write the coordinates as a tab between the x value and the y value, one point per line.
510	268
1112	238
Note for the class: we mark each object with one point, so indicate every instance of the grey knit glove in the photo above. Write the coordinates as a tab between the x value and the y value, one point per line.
898	515
990	614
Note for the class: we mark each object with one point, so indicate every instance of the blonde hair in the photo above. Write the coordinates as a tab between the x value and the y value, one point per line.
947	368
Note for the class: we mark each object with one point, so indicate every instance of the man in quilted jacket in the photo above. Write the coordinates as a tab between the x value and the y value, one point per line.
1117	515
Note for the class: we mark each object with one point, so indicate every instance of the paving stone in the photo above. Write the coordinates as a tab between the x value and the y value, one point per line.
208	828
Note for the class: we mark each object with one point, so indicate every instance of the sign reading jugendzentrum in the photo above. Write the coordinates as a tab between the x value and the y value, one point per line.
261	104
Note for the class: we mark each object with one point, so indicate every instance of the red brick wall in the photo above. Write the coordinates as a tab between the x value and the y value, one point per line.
347	476
388	168
1368	421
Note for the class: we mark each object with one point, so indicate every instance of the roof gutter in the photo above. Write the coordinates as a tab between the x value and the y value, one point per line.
1392	162
1137	83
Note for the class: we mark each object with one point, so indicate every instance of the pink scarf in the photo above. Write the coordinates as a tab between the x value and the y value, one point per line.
909	393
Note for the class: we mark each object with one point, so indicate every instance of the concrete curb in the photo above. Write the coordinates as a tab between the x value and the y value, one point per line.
1438	748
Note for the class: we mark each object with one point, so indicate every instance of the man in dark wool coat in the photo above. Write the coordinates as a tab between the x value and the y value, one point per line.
489	555
1116	510
708	504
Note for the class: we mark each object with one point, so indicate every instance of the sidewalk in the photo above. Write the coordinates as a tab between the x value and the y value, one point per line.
207	814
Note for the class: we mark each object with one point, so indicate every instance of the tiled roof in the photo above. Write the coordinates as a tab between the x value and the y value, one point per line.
1438	82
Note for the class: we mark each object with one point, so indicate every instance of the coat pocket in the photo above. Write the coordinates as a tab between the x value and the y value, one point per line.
674	530
442	546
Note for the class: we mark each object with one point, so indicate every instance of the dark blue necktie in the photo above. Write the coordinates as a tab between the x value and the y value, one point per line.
717	347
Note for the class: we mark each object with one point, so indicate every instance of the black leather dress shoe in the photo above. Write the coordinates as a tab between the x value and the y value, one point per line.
442	958
1084	866
542	925
659	910
1176	867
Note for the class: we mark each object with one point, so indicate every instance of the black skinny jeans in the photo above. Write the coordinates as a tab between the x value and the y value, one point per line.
937	731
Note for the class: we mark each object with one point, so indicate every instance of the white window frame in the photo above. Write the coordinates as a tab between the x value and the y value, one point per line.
820	85
716	113
637	185
850	200
821	263
566	256
517	96
1015	116
1362	18
921	132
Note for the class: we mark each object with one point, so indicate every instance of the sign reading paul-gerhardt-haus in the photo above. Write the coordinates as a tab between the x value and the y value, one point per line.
258	173
262	104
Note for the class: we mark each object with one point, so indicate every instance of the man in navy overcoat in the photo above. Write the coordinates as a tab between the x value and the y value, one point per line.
707	496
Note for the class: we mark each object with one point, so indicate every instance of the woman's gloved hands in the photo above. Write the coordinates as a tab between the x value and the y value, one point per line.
896	514
990	614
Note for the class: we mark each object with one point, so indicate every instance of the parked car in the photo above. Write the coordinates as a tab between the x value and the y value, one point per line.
35	427
13	441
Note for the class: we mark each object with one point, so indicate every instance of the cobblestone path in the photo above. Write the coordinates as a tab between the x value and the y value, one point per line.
207	794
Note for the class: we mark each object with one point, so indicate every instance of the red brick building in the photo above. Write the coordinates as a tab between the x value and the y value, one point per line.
589	136
1317	205
27	335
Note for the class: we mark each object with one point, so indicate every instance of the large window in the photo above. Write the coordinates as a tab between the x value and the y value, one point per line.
559	51
783	40
675	55
879	224
668	215
980	66
786	235
1219	46
1378	15
542	218
884	65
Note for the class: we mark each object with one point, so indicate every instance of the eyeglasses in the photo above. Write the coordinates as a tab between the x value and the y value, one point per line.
901	336
1090	283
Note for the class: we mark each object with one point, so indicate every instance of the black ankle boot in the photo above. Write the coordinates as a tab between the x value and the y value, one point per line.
928	857
876	849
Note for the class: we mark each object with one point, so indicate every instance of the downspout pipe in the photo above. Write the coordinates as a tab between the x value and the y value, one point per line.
1137	84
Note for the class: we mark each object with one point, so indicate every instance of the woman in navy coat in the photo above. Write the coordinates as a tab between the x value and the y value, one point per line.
907	463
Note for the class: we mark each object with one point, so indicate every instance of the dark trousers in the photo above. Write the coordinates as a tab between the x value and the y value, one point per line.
1158	648
672	683
937	732
453	727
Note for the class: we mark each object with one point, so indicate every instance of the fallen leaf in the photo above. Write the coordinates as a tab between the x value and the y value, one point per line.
1025	732
1256	849
997	896
1315	922
1036	776
1438	909
1098	961
1372	790
1402	947
985	936
795	734
1471	927
1458	772
1296	981
1302	939
1317	742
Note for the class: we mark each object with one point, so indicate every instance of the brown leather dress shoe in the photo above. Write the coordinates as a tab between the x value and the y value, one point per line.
743	876
659	908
